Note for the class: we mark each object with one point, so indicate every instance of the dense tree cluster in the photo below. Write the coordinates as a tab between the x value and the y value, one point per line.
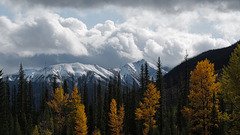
207	104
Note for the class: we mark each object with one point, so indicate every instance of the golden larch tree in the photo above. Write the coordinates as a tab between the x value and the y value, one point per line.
231	88
77	115
81	121
148	107
116	118
203	99
58	103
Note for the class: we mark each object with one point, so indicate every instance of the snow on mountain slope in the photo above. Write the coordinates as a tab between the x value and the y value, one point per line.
129	73
132	71
64	71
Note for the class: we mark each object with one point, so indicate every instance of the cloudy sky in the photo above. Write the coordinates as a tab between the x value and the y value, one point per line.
111	33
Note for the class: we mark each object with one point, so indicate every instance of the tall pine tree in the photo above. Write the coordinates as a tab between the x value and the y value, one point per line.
4	125
159	84
100	117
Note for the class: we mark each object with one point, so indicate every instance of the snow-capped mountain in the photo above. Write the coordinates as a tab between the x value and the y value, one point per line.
131	71
78	73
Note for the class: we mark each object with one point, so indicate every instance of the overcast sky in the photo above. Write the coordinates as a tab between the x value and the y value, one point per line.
111	33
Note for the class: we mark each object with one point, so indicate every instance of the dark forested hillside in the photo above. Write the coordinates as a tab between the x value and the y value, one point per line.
175	77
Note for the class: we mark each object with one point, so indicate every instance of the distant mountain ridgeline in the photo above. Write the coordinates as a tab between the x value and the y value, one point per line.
174	79
77	73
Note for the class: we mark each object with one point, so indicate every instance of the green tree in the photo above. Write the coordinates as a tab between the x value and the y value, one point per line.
22	103
85	98
4	113
231	86
142	81
159	84
146	78
100	117
119	91
182	122
65	86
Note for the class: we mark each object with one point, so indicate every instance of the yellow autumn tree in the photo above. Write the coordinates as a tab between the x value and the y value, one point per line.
116	118
148	108
35	131
231	88
81	121
58	103
77	115
203	109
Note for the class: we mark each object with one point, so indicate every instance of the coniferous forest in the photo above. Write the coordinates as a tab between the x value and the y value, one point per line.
207	103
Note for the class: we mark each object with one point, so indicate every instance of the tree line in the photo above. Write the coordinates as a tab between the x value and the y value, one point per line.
208	104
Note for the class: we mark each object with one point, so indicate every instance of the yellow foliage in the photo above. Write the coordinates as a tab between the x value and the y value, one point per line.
81	121
74	102
96	132
116	118
147	109
203	97
58	103
35	131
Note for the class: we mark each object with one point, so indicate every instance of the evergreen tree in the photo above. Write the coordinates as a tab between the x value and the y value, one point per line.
14	101
231	86
119	91
22	96
16	129
142	81
159	84
132	108
21	91
4	125
85	99
100	117
106	108
54	85
94	105
146	75
182	122
65	86
45	122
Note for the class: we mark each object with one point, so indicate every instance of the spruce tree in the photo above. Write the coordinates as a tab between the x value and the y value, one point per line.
8	107
14	101
146	75
54	85
142	82
159	84
119	91
100	120
16	129
85	99
65	86
4	125
132	108
182	122
22	96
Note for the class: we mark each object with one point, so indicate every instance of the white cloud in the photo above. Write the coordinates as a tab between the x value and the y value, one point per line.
144	34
